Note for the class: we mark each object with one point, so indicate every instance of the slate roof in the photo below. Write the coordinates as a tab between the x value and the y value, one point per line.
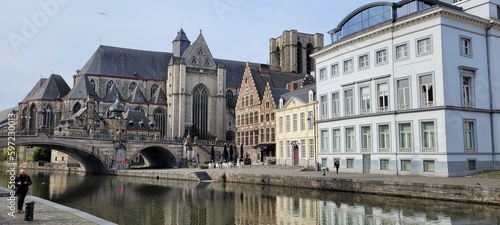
136	96
135	118
275	79
123	62
158	97
112	93
4	115
277	92
181	36
51	88
149	64
82	89
301	93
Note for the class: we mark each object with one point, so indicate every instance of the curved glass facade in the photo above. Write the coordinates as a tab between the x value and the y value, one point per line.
376	14
362	20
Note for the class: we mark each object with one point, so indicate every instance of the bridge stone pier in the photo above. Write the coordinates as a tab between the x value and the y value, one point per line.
96	155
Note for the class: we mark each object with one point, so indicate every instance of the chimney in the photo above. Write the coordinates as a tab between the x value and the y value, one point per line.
264	69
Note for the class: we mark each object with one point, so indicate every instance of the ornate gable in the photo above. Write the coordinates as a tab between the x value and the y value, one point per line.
198	55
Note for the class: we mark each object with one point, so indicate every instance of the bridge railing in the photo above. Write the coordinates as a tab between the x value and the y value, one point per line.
106	136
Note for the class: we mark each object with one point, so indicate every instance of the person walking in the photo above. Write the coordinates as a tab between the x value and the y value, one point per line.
22	183
336	163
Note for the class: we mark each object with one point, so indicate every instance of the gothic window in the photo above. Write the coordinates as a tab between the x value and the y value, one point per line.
229	97
299	57
154	87
200	109
32	118
229	135
278	56
159	120
109	85
309	49
131	87
207	62
92	82
200	52
47	114
76	107
138	109
194	60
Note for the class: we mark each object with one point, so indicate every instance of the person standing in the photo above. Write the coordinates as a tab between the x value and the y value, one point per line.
23	182
336	163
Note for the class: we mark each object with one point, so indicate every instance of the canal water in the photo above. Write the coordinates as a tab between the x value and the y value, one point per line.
148	201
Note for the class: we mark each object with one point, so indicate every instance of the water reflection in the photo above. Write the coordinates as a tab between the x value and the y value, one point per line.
127	200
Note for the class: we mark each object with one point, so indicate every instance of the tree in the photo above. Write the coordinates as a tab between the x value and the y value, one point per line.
41	154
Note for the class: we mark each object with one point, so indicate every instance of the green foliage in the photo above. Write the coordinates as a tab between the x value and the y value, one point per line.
29	159
41	154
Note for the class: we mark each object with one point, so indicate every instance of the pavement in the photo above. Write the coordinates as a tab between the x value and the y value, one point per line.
45	213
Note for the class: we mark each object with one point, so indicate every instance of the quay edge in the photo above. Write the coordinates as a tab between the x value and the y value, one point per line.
469	191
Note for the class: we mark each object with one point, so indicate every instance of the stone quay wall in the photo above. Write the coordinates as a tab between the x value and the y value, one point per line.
395	187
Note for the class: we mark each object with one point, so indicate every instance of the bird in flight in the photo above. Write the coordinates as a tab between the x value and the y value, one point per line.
103	14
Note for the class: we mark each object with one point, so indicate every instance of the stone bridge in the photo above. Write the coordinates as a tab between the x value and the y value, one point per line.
97	155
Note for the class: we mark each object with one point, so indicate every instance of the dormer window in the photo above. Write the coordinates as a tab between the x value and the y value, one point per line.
194	61
311	96
200	52
281	103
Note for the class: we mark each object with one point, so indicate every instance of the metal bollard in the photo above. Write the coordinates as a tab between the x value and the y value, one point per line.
29	210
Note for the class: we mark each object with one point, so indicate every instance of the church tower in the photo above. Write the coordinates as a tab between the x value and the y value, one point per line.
291	52
180	43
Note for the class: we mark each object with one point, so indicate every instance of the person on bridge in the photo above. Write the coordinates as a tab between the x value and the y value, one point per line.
22	183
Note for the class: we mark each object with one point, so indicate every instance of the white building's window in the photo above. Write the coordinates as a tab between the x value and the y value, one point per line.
405	165
405	137
403	94
364	98
363	62
335	105
288	150
282	151
465	46
429	166
322	74
349	139
383	138
294	122
424	46
366	139
466	91
381	56
312	154
469	136
287	123
383	97
310	118
336	140
335	70
324	106
384	164
349	102
302	121
426	91
280	124
324	141
401	51
428	134
348	67
349	163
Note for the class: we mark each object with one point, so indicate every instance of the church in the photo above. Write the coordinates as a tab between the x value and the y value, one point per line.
162	93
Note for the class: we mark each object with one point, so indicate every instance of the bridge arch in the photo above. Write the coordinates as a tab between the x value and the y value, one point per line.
158	157
91	162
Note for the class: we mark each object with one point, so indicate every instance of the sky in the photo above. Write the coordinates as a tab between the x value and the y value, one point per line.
42	37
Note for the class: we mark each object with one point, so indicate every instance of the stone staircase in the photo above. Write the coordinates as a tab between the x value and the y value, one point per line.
203	176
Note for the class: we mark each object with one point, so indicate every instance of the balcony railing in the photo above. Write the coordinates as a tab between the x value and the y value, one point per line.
428	149
405	150
426	104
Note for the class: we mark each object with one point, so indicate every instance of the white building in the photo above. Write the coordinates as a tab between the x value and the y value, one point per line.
412	88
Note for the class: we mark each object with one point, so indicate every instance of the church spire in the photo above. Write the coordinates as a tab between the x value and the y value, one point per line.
180	43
